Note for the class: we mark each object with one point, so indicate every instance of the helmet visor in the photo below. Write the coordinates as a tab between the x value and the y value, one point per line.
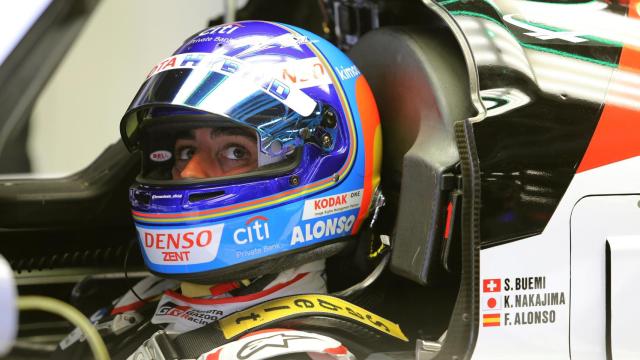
188	148
243	92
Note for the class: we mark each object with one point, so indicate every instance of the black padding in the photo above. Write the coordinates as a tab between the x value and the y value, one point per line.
199	341
420	84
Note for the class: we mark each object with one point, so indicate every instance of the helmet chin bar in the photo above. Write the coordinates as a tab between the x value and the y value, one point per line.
263	266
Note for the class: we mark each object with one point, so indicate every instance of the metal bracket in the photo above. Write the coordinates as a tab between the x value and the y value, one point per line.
427	350
158	347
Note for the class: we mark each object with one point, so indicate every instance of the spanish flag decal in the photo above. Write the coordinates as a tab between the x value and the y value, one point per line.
491	320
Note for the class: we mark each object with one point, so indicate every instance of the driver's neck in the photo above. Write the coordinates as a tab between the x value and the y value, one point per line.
194	290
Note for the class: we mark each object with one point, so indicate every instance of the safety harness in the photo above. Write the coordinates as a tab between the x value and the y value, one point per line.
329	323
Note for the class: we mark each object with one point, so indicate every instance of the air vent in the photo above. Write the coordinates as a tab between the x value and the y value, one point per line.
109	256
205	196
143	198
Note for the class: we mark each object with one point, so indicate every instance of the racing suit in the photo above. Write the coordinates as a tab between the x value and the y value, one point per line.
286	314
158	305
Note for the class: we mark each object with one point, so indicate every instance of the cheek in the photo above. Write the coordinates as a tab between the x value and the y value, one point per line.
241	169
235	167
175	174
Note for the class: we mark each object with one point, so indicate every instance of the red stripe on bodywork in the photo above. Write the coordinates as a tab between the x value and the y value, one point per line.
617	135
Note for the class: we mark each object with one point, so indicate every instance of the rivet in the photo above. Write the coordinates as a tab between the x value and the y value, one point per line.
326	140
329	119
305	133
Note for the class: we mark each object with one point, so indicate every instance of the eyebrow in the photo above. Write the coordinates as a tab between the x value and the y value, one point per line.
185	134
230	131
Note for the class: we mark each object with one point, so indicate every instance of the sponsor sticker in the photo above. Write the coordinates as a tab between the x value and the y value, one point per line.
332	204
254	238
255	229
303	73
175	310
293	97
347	73
221	29
181	246
160	155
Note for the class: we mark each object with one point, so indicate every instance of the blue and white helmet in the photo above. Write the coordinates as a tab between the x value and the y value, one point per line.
287	140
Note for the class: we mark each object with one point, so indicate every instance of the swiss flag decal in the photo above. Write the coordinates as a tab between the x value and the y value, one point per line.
491	285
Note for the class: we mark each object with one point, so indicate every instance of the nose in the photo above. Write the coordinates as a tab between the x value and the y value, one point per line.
201	166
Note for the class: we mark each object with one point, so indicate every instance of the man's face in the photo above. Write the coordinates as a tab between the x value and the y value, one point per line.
212	153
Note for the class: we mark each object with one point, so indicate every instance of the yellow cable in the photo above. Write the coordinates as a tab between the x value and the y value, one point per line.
71	314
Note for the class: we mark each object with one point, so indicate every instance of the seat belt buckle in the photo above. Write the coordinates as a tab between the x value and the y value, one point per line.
158	347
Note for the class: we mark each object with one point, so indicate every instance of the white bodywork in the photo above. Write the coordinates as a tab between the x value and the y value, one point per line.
568	260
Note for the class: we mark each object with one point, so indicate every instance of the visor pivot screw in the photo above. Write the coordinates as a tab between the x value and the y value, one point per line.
294	180
276	147
305	133
326	141
329	119
336	177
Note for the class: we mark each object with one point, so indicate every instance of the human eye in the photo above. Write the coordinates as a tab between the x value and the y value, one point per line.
185	153
235	152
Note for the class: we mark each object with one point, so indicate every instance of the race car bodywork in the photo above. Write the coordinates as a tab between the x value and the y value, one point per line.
554	136
557	146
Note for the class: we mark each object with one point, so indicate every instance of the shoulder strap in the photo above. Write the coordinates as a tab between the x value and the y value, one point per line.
299	311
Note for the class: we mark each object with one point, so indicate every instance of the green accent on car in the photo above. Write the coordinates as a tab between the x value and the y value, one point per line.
535	47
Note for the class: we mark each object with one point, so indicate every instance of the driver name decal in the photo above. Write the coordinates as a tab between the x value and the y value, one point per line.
520	301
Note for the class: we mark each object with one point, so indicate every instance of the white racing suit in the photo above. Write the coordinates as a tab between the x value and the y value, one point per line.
177	314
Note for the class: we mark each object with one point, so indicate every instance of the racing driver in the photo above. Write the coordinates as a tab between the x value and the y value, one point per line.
260	147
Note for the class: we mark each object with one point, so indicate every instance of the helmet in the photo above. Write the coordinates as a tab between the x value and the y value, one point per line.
292	168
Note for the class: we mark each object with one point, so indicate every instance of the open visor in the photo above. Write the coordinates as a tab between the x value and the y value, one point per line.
244	93
190	147
164	110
